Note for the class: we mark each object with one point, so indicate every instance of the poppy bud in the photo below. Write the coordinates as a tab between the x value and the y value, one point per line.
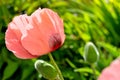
45	69
91	53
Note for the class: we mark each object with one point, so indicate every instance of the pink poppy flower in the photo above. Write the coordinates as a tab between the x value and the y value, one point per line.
112	72
32	36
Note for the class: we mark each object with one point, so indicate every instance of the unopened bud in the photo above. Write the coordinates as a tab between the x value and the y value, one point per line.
91	53
47	70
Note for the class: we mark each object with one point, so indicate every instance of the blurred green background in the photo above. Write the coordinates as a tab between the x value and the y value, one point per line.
97	21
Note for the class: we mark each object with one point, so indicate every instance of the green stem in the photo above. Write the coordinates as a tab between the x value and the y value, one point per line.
55	65
94	73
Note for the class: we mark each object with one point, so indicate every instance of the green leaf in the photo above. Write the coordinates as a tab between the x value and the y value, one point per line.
109	48
70	63
10	70
86	70
26	72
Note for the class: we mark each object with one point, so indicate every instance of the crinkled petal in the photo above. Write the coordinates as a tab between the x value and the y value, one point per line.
14	45
37	40
57	23
34	43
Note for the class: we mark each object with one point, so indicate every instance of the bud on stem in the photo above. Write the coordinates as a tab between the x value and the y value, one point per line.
91	53
47	70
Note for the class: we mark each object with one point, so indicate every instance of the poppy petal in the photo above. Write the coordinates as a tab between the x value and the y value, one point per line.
42	22
112	72
14	45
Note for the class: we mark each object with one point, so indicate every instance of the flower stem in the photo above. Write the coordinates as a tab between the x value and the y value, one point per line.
55	65
94	72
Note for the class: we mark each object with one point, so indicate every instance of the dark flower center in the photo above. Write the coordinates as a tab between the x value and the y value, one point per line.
55	41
